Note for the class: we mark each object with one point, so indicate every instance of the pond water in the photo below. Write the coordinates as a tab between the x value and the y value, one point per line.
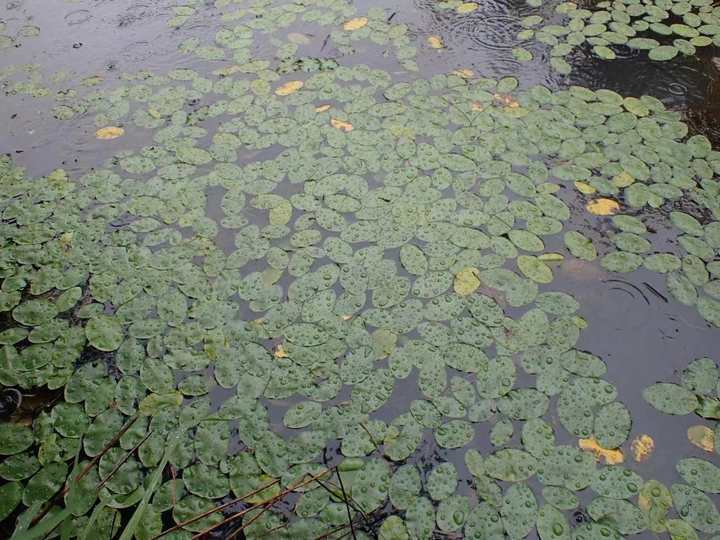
330	269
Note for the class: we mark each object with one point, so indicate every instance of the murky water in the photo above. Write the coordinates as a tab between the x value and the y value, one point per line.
643	334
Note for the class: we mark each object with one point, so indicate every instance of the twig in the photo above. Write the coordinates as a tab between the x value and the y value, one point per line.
85	470
213	510
349	498
266	504
123	460
347	505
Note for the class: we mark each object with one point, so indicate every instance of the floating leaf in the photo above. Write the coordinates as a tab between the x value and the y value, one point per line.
603	207
466	7
341	125
436	42
355	24
670	398
609	456
109	133
642	446
702	437
288	88
467	281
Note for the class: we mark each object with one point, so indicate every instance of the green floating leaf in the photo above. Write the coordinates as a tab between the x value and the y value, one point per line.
104	333
670	398
10	496
696	508
655	500
612	425
519	511
442	481
622	515
700	474
551	524
14	438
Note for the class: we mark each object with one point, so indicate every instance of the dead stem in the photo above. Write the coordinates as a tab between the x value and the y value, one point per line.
213	510
85	470
123	460
267	504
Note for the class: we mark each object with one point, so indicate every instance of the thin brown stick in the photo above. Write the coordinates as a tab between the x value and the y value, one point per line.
266	504
347	506
213	510
350	500
85	470
122	461
244	526
372	439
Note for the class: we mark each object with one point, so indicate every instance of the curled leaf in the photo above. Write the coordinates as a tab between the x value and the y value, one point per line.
642	446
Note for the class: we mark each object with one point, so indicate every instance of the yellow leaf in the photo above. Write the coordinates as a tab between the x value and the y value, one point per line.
110	132
603	207
465	73
611	457
622	180
346	317
288	88
341	124
321	108
551	257
355	24
435	42
702	437
280	352
467	281
467	7
584	187
642	446
477	106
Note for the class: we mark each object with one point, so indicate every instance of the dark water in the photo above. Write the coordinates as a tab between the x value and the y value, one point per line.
643	334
